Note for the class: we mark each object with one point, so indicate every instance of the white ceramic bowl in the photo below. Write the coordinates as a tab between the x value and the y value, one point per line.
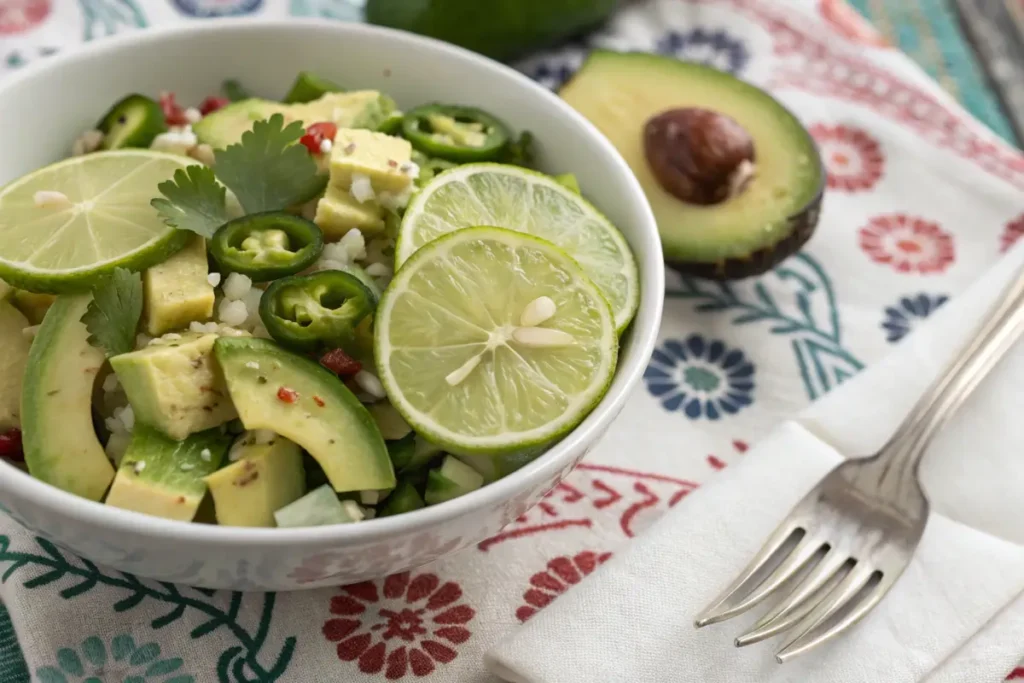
43	109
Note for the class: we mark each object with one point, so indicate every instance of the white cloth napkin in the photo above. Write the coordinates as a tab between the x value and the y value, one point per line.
955	616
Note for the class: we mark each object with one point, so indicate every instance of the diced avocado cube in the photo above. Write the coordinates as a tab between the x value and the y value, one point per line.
319	507
5	290
338	212
13	360
405	498
32	305
494	467
265	478
391	423
177	291
372	154
163	477
373	497
453	479
176	387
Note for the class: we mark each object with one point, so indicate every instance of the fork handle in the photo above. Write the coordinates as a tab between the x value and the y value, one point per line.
1002	327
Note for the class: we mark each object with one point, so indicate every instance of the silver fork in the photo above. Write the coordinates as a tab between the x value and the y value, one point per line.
844	545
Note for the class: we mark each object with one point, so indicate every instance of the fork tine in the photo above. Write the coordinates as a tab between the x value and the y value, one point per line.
829	566
810	634
714	612
763	630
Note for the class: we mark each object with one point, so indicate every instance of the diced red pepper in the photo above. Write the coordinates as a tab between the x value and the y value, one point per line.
317	133
319	401
10	445
173	114
340	363
212	104
286	395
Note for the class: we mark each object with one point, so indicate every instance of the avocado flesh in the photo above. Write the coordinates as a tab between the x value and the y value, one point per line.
162	477
770	219
358	109
60	443
340	434
265	478
13	360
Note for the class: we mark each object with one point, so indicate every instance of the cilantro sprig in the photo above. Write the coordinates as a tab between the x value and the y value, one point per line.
114	312
194	201
266	171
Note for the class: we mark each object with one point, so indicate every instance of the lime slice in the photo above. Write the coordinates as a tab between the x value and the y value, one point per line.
490	341
65	225
518	199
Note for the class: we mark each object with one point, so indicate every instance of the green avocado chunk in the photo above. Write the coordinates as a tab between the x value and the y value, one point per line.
13	359
176	386
163	477
453	479
319	507
293	396
357	109
501	30
264	478
59	440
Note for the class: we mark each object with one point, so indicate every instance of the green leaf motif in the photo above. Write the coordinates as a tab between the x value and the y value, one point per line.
193	200
242	662
266	170
113	314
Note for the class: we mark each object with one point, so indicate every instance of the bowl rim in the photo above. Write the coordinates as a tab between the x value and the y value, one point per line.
652	285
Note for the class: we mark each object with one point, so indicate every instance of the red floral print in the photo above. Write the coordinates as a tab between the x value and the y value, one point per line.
18	16
560	574
405	623
848	22
1014	231
852	157
908	244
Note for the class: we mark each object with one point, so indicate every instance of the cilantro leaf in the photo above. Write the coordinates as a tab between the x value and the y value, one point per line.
266	170
195	201
114	312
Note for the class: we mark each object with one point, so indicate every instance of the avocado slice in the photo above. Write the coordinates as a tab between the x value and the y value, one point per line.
163	477
176	386
59	440
358	109
319	507
293	396
13	360
501	30
734	179
265	478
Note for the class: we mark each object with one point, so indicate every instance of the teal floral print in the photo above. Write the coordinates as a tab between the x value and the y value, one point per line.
94	662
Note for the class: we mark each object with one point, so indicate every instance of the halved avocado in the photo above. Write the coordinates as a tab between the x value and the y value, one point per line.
734	179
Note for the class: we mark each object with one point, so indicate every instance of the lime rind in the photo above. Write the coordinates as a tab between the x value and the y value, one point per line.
506	440
116	219
621	287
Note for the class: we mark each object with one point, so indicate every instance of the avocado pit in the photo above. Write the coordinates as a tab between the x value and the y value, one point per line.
699	156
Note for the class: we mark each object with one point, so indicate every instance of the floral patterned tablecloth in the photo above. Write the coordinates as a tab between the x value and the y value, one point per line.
921	199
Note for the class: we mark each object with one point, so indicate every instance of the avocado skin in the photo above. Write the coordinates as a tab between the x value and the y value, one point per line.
802	226
501	29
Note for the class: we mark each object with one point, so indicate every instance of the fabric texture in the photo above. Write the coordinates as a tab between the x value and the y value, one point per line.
922	201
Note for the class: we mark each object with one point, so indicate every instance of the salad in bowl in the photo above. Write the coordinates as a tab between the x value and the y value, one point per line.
300	312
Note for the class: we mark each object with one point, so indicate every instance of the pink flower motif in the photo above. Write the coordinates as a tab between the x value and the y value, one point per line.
401	624
18	16
908	244
1014	231
852	157
561	574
